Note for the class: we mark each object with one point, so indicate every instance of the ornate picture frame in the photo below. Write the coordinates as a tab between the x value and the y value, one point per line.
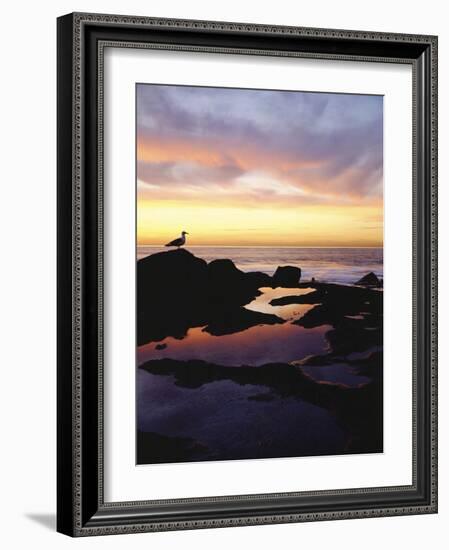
81	508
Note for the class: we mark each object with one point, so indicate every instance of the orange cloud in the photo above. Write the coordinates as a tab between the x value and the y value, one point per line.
280	168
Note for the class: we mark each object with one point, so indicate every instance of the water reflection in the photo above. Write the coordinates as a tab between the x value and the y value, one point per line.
338	373
287	312
254	346
224	417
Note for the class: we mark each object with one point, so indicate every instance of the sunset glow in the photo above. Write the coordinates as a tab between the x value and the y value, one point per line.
258	168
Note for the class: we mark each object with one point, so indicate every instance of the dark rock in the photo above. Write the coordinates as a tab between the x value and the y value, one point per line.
287	276
222	271
349	337
369	366
233	320
354	313
172	271
282	378
153	448
318	316
227	284
259	279
170	295
160	346
336	302
370	280
316	360
315	297
177	291
347	298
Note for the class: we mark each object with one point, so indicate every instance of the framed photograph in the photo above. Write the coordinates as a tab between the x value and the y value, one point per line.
246	274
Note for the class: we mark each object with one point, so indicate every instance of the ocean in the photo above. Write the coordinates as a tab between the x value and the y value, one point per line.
334	265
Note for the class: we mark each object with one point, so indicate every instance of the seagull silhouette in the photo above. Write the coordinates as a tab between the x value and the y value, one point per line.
180	241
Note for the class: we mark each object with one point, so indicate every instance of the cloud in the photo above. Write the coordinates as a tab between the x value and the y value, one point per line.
314	146
187	173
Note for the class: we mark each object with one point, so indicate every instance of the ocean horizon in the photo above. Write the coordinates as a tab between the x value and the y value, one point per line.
328	264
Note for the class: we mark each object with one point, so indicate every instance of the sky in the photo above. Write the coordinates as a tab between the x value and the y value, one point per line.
244	167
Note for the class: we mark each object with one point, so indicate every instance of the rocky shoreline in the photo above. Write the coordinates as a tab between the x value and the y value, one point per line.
358	411
178	291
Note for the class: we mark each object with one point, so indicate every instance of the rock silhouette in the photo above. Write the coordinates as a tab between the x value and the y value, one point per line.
354	313
227	284
177	291
170	294
287	276
370	280
228	321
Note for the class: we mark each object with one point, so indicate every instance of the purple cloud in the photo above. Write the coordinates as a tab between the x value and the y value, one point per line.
324	144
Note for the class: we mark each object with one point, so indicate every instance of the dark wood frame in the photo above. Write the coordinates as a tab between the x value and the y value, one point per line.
81	509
